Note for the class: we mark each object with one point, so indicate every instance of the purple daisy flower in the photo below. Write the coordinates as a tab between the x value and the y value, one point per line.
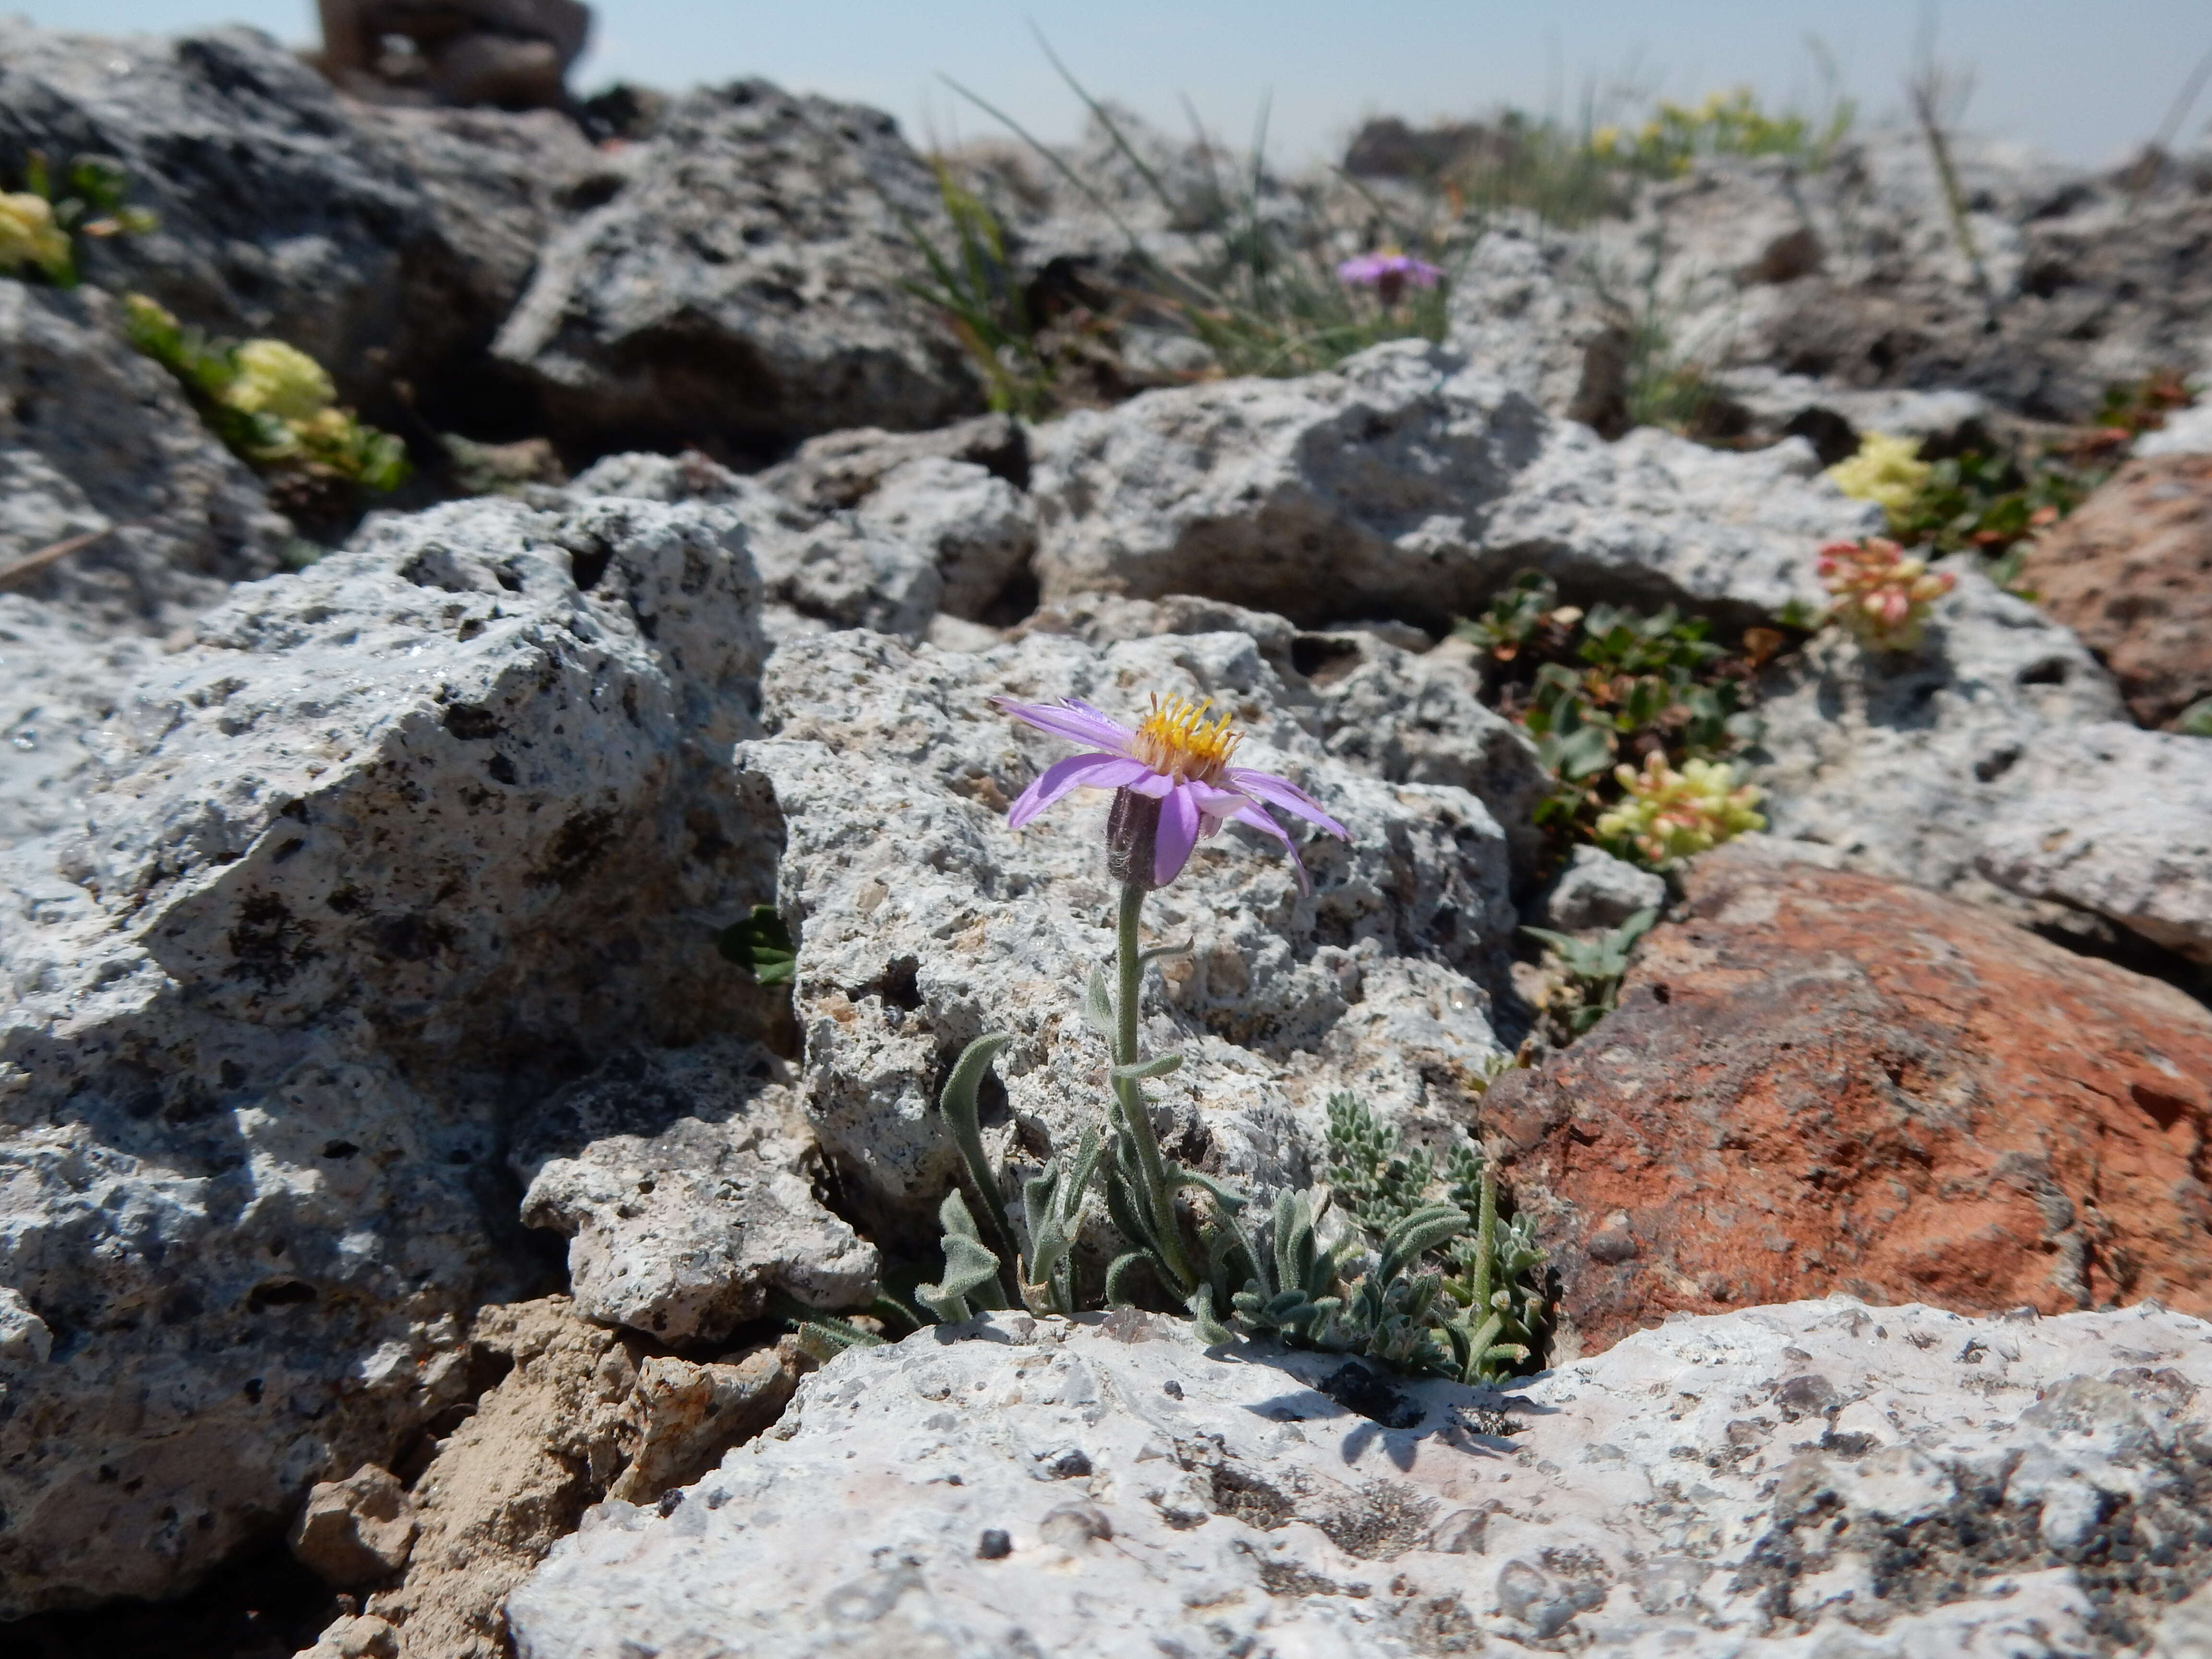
1389	272
1173	782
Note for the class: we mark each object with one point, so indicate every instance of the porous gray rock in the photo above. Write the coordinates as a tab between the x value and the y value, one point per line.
843	469
62	677
1597	889
1404	484
94	437
24	1339
978	531
396	846
821	570
1900	762
2185	1629
385	244
2116	820
1524	315
838	572
745	287
685	1182
923	921
1851	272
494	184
1728	1487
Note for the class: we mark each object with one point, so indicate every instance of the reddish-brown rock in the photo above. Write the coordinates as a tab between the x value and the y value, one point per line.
1819	1081
2131	574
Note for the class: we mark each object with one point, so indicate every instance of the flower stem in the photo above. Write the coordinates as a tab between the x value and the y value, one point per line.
1136	1115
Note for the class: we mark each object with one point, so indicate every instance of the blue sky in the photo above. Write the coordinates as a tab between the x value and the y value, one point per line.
2087	79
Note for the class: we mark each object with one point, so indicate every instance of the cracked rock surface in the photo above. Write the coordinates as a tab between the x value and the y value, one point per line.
395	847
2118	822
1812	1478
1405	484
1899	762
685	1181
576	1412
744	283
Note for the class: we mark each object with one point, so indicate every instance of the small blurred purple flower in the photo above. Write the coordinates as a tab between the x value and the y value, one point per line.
1389	272
1172	781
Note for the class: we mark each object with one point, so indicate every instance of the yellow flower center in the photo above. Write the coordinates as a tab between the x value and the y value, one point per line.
1177	740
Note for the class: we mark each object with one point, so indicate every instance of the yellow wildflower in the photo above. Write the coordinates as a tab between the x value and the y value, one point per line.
275	379
28	234
1886	470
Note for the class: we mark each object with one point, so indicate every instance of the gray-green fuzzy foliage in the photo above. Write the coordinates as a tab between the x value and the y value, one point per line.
1424	1276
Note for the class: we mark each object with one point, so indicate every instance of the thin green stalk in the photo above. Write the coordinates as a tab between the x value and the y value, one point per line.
1135	1113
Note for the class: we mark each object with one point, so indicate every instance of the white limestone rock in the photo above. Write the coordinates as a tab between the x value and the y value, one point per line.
2188	433
386	244
2118	820
923	921
1834	418
1899	762
1405	484
398	845
930	535
24	1339
1524	314
686	1184
978	531
746	284
62	678
1803	1482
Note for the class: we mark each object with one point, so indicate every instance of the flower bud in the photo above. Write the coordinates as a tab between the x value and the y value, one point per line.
1132	826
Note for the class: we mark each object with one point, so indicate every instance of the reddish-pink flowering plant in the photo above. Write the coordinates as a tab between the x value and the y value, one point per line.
1390	273
1881	596
1172	781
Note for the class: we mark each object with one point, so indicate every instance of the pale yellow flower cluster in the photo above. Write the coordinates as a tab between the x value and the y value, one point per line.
278	379
1669	815
28	234
1886	470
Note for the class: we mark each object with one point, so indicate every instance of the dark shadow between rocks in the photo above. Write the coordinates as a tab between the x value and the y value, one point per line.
265	1605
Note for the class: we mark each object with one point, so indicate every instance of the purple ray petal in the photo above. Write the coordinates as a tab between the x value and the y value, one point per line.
1076	772
1073	719
1281	791
1215	801
1177	835
1255	817
1148	782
